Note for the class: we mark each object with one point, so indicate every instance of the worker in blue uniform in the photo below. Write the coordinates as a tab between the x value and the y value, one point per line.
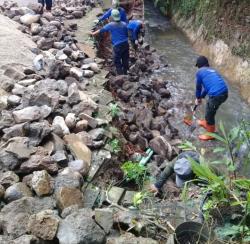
119	38
135	27
209	82
107	14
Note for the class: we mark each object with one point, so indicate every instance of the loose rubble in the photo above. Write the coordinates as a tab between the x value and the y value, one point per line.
55	132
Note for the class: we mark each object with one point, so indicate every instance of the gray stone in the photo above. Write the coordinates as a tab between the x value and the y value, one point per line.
31	113
39	161
14	216
8	161
35	28
81	125
18	90
43	224
79	228
115	194
41	183
14	131
20	148
45	43
104	217
28	19
70	120
13	100
17	191
27	82
73	94
26	239
90	195
59	45
67	196
128	198
76	73
94	67
68	178
13	73
79	166
36	7
2	191
59	121
88	73
60	157
69	210
77	14
92	122
8	178
97	134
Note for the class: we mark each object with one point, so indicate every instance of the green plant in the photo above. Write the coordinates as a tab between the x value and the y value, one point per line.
187	146
139	197
134	172
114	110
115	145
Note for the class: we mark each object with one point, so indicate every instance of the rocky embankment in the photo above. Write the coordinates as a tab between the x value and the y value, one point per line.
55	124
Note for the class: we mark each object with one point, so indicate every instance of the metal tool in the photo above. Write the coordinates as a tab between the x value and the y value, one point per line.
190	119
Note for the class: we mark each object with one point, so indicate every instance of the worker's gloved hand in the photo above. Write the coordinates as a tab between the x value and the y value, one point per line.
198	101
136	42
96	21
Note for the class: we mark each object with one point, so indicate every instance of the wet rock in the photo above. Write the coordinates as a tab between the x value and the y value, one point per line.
130	238
8	178
78	149
28	19
59	121
78	228
79	166
31	113
81	125
38	162
104	217
17	191
73	94
13	100
66	197
41	183
68	178
35	28
45	43
20	148
14	131
14	216
161	146
44	224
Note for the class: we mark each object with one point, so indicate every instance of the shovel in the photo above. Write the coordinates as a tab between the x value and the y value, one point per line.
189	119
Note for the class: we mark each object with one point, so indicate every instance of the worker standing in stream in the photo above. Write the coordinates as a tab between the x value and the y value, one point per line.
122	11
119	38
209	82
135	27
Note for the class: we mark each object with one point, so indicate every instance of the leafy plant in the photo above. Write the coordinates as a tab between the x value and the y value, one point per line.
115	145
187	146
114	110
134	172
139	197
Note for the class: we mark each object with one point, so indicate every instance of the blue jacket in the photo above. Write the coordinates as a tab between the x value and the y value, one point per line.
134	27
209	82
107	14
118	30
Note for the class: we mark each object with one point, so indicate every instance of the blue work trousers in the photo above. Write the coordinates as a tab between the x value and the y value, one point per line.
121	58
48	3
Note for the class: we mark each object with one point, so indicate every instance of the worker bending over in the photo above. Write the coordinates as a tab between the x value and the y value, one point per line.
182	169
135	27
119	38
122	11
209	82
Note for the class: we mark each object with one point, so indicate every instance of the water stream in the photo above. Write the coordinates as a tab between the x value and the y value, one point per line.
177	50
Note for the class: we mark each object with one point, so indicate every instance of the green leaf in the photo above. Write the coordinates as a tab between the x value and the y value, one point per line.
216	136
222	129
217	162
219	149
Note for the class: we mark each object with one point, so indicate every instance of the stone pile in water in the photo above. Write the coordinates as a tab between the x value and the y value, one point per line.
50	137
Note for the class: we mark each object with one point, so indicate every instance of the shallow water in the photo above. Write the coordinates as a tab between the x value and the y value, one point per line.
177	50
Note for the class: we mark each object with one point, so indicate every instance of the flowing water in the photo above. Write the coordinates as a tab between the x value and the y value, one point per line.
177	50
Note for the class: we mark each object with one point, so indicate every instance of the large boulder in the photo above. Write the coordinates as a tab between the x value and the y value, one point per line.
78	228
28	19
14	217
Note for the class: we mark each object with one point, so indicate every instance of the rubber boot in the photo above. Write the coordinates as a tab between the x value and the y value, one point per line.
202	123
204	137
